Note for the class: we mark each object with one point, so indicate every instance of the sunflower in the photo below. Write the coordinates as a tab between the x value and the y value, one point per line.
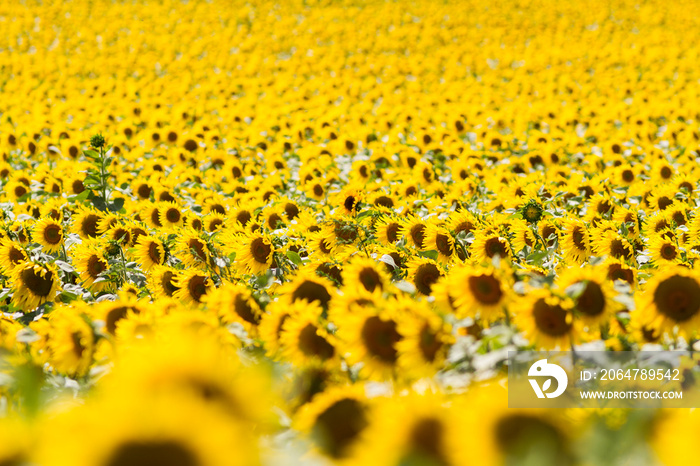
507	435
213	221
11	255
170	215
34	284
121	234
413	231
617	270
192	250
271	325
424	273
335	420
71	344
113	312
49	233
254	252
151	215
664	251
235	303
671	299
146	430
575	241
192	286
85	223
163	281
348	200
370	336
591	294
418	429
307	285
426	339
546	319
90	262
488	245
522	236
387	229
611	243
438	238
483	291
304	339
363	273
149	251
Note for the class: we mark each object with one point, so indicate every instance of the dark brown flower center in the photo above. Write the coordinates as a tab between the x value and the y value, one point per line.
668	252
418	234
426	444
244	310
313	344
15	255
260	250
312	291
166	282
197	287
152	453
370	279
173	215
591	301
154	253
95	266
577	236
89	225
486	289
495	246
551	320
339	426
442	242
430	344
678	297
392	232
380	338
426	276
38	285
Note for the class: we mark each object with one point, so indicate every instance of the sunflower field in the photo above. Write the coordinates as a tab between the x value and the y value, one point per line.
310	231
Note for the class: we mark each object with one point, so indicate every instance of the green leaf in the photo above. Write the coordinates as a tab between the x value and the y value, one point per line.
432	254
80	197
116	205
294	257
91	154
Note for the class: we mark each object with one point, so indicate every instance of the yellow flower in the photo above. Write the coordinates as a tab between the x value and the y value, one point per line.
49	233
149	251
34	284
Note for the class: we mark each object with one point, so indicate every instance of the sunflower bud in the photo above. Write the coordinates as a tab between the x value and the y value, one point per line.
532	211
97	141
